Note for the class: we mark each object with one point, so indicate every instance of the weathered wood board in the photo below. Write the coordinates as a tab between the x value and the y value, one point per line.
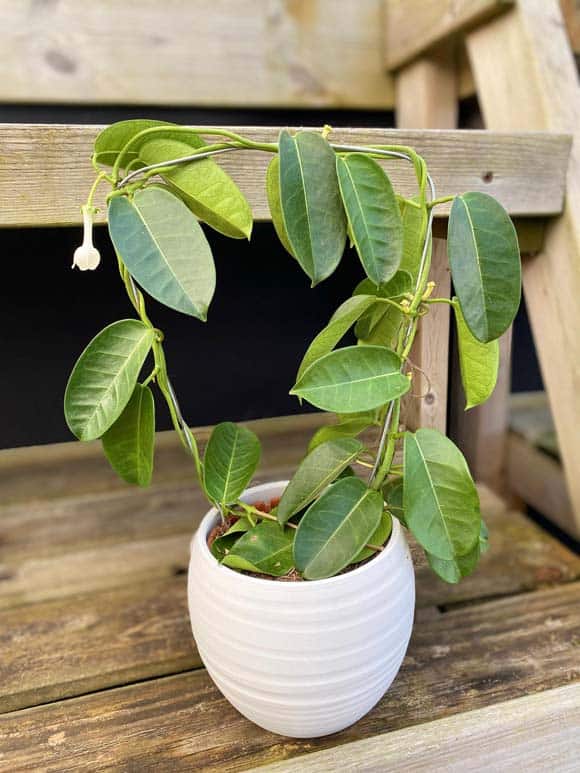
280	53
535	733
525	171
458	661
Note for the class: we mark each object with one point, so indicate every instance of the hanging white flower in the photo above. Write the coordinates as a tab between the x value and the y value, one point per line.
87	256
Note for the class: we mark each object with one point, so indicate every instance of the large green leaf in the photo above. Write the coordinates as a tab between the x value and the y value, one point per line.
129	443
350	426
319	468
275	203
267	548
311	204
342	319
454	570
479	363
440	500
353	379
335	529
104	377
414	227
485	264
221	546
377	538
231	458
373	215
206	188
393	496
111	141
164	248
381	322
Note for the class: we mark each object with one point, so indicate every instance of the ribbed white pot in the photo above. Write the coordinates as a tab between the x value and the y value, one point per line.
302	659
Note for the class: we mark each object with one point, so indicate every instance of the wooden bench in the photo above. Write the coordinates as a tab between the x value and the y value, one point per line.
99	668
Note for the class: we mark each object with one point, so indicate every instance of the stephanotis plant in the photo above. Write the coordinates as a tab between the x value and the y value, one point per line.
163	180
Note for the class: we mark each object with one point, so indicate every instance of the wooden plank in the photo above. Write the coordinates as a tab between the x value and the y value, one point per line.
183	723
87	643
426	92
86	639
414	26
571	12
525	172
41	473
527	79
207	53
541	733
538	479
426	404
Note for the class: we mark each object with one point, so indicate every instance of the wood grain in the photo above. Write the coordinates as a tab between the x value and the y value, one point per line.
527	170
117	613
461	660
414	26
427	98
528	79
211	52
541	732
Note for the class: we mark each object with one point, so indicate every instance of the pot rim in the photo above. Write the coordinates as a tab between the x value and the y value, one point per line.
253	494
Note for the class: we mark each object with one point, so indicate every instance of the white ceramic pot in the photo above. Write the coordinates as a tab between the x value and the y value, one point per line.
302	659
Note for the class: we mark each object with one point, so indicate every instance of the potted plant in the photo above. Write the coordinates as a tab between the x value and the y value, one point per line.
301	593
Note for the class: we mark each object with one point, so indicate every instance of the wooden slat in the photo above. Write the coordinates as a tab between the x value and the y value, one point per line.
94	542
526	78
571	11
539	480
427	99
527	170
87	639
414	26
41	473
461	660
538	732
211	52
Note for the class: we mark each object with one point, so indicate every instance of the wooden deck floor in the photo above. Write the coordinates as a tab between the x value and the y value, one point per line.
98	669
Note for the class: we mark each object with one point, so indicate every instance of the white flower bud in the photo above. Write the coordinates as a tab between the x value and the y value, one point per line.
87	256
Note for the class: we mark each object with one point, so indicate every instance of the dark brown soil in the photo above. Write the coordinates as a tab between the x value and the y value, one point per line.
293	575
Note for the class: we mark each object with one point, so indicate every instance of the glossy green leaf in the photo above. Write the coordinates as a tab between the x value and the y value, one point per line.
164	248
485	264
479	363
205	187
378	537
335	528
113	139
454	570
414	226
104	377
221	546
267	548
340	322
351	426
316	471
440	499
353	379
311	204
393	496
373	215
129	443
380	324
231	458
275	203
